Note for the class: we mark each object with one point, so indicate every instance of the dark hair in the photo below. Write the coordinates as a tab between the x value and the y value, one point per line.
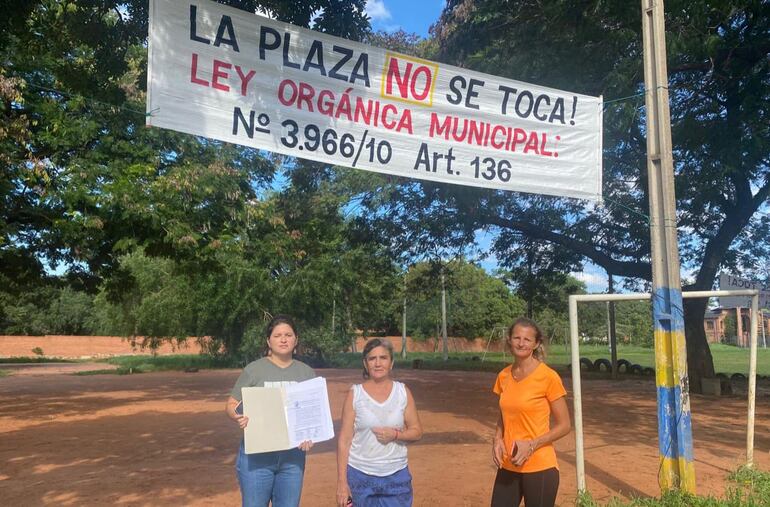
373	344
275	322
539	352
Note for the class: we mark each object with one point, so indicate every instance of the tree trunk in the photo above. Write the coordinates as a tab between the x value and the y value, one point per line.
700	363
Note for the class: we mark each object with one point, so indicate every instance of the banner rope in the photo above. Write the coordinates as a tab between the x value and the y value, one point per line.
631	210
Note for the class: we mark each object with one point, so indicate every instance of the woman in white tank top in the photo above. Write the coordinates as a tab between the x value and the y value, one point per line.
378	418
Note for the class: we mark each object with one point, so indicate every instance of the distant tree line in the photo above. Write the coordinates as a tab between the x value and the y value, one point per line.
333	301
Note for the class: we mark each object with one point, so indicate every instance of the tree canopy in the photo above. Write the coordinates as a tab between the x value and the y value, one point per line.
720	90
90	196
477	303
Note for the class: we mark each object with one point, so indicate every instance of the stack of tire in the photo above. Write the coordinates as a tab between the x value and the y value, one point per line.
604	365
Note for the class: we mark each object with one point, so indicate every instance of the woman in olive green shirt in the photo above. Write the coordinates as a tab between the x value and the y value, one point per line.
271	476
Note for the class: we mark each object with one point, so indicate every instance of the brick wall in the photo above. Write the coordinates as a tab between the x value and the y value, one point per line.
431	345
72	347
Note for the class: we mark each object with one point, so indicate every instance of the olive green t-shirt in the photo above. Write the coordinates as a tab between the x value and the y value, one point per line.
264	373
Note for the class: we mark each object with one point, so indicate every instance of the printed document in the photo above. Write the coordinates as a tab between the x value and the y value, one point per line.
282	418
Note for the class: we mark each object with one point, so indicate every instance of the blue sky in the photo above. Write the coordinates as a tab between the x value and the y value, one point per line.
413	16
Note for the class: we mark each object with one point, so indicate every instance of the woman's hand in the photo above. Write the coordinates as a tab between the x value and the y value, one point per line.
231	409
522	450
306	445
498	451
343	495
385	435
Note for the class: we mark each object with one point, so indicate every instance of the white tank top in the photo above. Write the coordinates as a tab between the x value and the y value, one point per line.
366	453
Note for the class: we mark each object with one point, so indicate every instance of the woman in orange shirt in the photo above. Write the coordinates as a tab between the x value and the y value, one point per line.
530	393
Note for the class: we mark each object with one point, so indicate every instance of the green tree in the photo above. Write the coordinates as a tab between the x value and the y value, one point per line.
730	327
477	301
83	180
288	259
86	186
45	308
69	312
634	320
720	91
25	315
542	286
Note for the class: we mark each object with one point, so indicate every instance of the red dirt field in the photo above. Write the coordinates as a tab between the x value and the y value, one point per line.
163	439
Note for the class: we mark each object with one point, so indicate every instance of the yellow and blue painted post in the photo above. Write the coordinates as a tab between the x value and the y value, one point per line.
674	421
677	469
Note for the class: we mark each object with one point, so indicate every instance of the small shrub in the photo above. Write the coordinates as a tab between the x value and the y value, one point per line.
585	499
38	351
755	484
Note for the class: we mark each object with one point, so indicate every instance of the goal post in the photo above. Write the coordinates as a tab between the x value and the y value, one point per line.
575	364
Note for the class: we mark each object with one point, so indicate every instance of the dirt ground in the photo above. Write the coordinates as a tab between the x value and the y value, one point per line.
163	439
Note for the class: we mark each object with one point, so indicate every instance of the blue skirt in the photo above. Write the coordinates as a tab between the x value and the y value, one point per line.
393	490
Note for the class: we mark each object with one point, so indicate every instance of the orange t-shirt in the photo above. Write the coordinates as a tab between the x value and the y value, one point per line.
525	406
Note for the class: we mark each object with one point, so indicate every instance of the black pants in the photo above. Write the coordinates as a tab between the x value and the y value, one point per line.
538	489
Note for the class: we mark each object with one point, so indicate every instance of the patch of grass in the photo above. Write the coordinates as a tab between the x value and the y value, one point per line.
16	360
643	356
428	361
670	499
122	370
345	360
4	373
178	362
585	499
730	359
727	359
105	371
751	489
128	365
753	486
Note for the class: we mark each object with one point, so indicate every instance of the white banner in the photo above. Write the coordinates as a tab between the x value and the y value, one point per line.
223	73
730	282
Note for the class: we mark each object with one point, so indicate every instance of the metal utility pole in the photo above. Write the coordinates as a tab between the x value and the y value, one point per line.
677	470
351	330
403	325
334	315
443	317
611	334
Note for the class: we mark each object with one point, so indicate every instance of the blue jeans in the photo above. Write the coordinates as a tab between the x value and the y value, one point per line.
267	476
